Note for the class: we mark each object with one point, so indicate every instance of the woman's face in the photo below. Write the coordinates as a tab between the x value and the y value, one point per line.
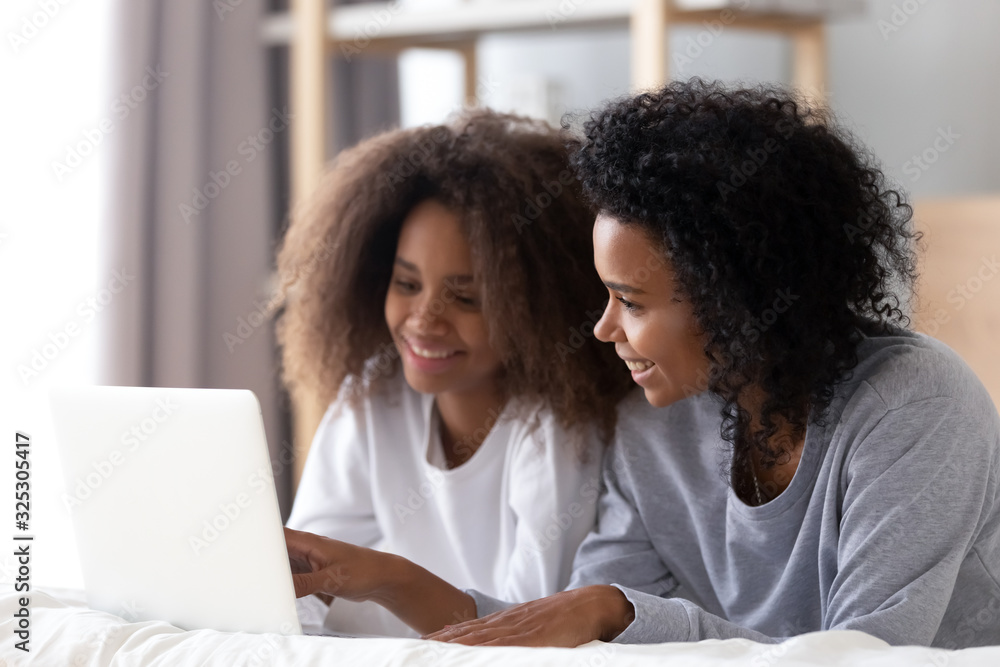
433	306
652	326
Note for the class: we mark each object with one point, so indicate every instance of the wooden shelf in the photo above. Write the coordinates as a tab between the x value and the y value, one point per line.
314	33
408	26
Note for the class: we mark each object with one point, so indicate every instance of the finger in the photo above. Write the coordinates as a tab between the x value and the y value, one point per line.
454	630
298	539
329	581
477	637
441	635
304	548
300	562
299	565
294	543
438	635
324	583
307	583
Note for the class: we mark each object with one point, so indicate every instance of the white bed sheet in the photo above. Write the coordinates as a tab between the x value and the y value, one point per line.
65	633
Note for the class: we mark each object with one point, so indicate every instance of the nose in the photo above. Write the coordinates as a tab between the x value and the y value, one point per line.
607	328
427	316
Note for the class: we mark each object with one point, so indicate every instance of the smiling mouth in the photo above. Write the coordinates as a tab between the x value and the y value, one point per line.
425	353
429	354
638	365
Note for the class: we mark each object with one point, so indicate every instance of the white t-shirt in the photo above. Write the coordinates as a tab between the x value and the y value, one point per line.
506	522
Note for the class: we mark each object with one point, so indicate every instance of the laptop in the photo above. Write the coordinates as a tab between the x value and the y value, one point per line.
173	504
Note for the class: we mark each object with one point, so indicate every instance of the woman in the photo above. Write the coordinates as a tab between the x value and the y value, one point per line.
466	422
756	263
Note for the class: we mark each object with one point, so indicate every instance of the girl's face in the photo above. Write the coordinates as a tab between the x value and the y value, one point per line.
433	306
652	326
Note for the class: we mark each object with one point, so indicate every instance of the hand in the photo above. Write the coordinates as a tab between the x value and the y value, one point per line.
566	619
417	597
324	566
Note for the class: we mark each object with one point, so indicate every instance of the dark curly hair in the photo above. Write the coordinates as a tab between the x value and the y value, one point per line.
529	232
754	196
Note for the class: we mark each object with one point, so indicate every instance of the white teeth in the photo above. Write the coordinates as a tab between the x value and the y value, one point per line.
638	365
428	354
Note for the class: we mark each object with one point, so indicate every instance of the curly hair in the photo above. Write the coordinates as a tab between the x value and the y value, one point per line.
529	232
758	200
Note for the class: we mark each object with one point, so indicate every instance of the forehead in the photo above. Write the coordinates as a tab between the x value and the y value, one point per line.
620	249
432	236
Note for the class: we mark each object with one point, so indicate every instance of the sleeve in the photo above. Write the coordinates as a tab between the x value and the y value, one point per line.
916	491
619	548
616	549
552	492
486	605
334	496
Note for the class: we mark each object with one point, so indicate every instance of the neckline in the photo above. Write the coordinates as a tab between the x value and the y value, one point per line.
802	480
434	450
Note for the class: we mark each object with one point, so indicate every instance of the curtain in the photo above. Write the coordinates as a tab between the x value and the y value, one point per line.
201	196
193	204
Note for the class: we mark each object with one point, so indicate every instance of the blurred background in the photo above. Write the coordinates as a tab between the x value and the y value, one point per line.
152	149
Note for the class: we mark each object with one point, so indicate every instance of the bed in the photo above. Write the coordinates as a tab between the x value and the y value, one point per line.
65	633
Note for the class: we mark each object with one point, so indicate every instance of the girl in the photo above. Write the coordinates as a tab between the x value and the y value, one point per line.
862	459
756	262
468	397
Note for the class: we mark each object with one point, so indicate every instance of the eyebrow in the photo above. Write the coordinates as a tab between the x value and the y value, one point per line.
624	289
458	281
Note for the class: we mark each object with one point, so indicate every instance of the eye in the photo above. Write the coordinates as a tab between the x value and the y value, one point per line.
406	286
466	300
629	306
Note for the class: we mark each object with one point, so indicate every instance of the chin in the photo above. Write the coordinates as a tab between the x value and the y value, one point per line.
424	384
661	397
657	398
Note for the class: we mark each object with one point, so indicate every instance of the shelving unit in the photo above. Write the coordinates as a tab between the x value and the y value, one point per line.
315	33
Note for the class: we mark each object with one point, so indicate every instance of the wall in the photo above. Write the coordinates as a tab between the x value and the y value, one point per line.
900	75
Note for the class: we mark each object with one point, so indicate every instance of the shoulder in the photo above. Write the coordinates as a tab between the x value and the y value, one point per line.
551	470
376	393
912	382
912	396
538	438
907	367
361	403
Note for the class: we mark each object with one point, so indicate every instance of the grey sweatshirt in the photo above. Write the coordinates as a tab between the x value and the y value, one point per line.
890	525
